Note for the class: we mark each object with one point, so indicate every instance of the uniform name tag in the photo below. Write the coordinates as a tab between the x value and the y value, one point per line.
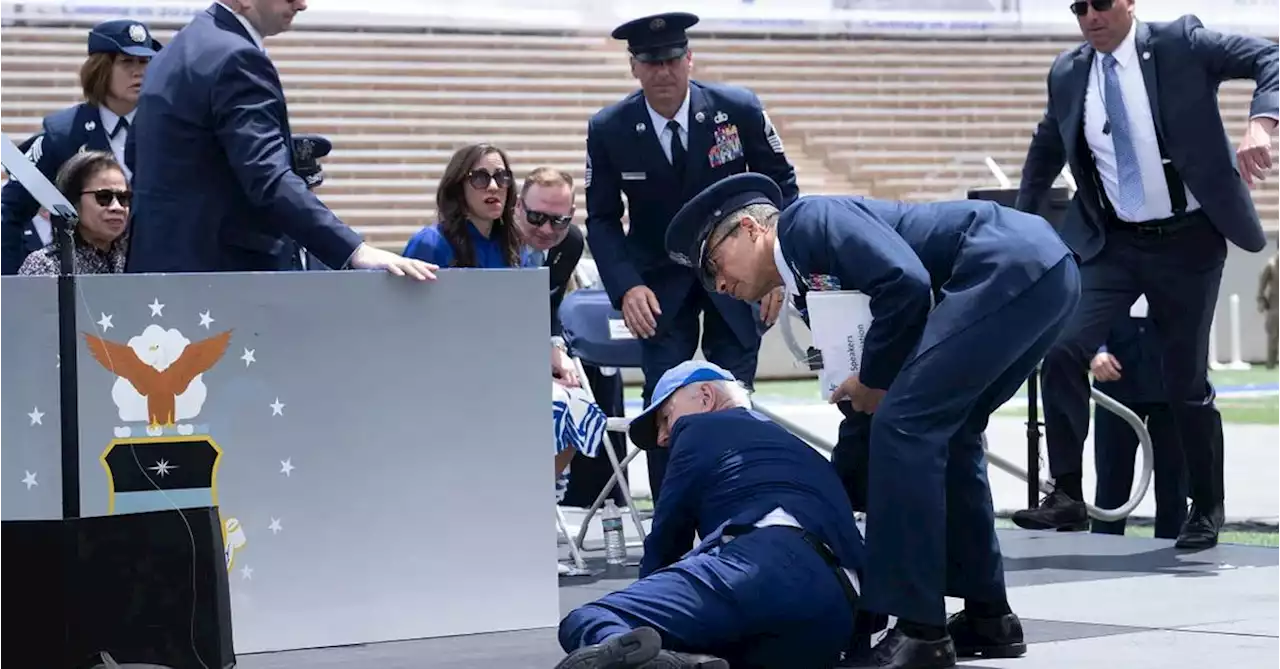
634	176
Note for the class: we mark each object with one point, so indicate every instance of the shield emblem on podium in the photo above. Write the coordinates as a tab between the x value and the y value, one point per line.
161	473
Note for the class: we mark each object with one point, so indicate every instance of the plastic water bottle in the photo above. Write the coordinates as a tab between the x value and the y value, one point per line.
615	544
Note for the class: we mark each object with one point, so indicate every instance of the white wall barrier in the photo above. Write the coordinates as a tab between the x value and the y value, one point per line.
342	423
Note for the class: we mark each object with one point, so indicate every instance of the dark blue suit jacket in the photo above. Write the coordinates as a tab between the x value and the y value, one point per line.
214	181
625	156
733	467
1133	341
62	135
971	256
1188	62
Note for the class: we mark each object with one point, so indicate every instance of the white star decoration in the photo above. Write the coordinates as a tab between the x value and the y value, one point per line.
248	357
246	572
157	309
286	466
105	323
162	467
30	480
36	415
205	319
277	407
275	526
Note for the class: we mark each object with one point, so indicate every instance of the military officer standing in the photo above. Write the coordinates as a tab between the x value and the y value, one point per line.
1003	283
660	146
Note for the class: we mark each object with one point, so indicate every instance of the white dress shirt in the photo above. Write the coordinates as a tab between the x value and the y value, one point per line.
109	121
779	516
664	134
1142	131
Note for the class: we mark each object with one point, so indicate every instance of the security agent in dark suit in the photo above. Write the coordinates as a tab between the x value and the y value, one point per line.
119	51
720	130
775	580
212	105
1128	370
966	297
1134	113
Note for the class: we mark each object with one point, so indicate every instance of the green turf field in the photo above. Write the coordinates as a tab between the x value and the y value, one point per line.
1262	410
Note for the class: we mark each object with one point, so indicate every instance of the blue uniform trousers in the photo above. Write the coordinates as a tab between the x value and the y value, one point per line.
1180	273
930	522
1115	445
766	599
677	342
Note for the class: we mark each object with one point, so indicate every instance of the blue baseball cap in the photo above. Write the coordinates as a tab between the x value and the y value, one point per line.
644	428
686	240
123	36
657	38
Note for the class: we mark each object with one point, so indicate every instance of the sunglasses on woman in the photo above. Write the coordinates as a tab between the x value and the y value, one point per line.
540	218
1081	8
479	179
104	196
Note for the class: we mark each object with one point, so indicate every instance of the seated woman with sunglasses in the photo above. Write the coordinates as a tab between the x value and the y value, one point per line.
95	183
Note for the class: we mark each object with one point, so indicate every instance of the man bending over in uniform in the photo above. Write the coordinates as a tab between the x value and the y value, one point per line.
774	581
1003	284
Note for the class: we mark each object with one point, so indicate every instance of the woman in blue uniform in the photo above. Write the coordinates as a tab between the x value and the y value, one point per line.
111	78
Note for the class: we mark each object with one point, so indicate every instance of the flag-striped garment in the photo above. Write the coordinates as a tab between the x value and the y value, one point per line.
579	423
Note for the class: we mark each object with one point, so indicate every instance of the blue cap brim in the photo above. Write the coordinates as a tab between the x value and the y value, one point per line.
643	429
139	51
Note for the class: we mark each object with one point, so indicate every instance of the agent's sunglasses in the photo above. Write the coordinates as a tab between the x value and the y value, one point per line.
1081	8
540	218
104	196
479	179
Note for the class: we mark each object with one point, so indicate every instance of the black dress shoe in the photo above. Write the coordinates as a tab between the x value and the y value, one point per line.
626	651
999	636
899	651
1057	511
1201	529
672	660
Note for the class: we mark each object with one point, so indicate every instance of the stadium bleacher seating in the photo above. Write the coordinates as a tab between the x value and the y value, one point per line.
899	118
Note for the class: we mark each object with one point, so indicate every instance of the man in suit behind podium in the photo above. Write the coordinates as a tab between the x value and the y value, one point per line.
660	146
213	172
1134	113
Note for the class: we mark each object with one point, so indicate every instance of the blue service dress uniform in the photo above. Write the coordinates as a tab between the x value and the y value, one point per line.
728	133
62	135
766	598
1135	344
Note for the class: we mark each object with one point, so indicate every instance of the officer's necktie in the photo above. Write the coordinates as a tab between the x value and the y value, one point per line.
122	124
1127	171
677	148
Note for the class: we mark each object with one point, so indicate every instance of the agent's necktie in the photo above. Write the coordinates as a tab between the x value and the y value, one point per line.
1131	197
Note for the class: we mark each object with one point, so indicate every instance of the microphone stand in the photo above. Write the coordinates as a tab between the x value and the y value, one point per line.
64	224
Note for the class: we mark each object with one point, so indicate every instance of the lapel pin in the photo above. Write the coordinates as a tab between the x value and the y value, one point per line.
1146	55
700	117
90	125
639	127
721	117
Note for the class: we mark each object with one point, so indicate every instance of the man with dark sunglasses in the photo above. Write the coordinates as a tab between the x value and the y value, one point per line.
660	146
1134	113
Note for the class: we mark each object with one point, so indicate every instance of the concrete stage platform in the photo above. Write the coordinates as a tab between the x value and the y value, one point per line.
1085	601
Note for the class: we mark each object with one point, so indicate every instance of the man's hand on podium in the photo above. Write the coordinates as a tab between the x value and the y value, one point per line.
368	257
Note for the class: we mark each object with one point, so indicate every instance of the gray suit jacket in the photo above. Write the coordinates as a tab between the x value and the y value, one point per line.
1188	62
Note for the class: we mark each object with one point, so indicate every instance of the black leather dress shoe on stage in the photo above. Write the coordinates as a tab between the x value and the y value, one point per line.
1201	529
1057	511
899	651
999	636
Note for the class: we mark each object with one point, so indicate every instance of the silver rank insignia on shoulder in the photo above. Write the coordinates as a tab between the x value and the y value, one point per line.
90	125
721	117
700	117
640	127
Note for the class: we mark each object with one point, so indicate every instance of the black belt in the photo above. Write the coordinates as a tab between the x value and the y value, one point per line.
1162	226
818	545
